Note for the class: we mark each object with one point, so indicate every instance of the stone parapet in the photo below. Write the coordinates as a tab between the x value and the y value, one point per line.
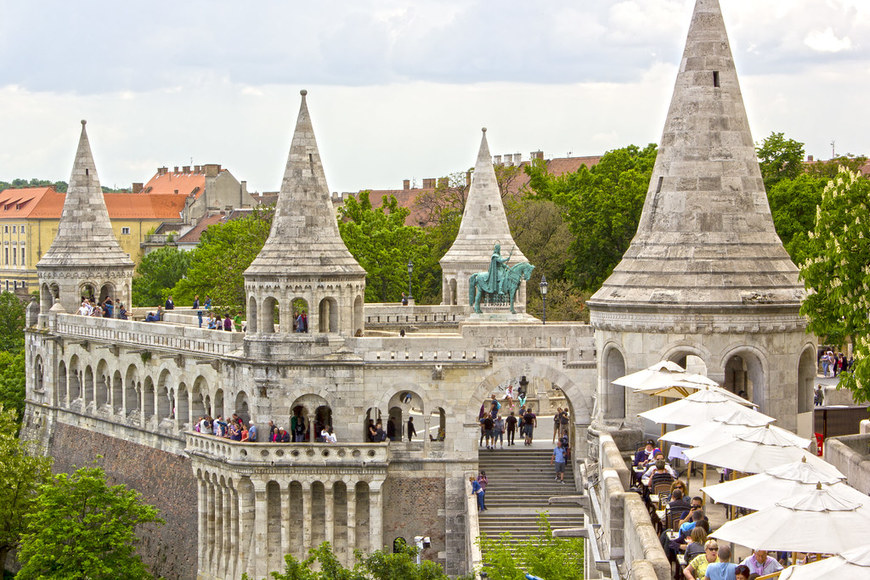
149	334
851	455
697	321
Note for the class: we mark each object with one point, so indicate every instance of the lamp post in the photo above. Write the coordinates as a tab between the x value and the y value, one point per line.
544	295
410	270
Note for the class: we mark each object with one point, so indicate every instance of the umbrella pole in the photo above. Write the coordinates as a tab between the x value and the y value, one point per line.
704	493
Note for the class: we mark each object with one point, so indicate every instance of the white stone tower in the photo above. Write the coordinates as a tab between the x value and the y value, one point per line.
85	258
483	224
304	265
706	276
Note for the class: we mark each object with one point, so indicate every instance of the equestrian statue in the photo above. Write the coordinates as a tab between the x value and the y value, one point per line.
500	283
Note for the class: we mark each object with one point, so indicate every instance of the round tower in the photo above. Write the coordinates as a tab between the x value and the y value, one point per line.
85	259
706	280
304	285
484	224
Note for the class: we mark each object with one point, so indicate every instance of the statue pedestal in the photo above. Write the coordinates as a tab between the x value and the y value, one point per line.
488	317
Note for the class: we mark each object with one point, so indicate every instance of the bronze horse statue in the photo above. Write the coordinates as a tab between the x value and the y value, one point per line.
513	276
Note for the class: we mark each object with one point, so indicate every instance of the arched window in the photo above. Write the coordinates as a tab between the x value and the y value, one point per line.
328	315
252	315
299	312
270	316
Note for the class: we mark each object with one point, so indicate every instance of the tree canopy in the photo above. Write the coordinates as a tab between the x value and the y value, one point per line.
837	273
157	273
22	471
382	244
218	265
779	158
80	527
601	206
12	317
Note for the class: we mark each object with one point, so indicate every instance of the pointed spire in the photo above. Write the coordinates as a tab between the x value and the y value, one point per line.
84	233
484	221
706	236
304	239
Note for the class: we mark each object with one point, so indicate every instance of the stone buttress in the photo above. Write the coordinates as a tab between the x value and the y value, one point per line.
706	275
85	259
483	224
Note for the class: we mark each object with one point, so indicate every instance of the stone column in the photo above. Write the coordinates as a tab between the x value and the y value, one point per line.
219	539
233	570
307	521
203	525
351	523
247	515
310	425
329	513
427	419
376	522
209	535
286	522
261	522
227	532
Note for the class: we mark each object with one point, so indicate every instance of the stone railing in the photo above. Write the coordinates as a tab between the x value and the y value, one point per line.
391	315
472	533
289	454
851	455
149	334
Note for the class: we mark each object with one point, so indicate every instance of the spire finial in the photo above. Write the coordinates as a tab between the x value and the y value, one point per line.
483	129
84	122
303	92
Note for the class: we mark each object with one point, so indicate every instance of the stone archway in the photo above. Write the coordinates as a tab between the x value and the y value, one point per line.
612	403
745	374
806	378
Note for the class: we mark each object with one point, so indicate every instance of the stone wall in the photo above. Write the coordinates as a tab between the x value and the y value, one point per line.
415	507
164	480
851	455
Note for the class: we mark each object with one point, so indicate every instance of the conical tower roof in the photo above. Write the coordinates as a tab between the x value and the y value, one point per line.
484	221
304	240
706	237
84	233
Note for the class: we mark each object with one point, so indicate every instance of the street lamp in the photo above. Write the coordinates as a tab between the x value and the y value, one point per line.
544	295
410	270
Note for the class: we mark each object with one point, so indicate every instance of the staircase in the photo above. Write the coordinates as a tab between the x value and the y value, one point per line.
520	485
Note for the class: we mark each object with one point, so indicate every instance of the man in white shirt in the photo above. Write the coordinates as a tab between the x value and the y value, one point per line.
762	564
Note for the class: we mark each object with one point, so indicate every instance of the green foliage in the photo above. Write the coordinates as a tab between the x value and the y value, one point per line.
21	473
218	265
12	319
829	169
157	273
793	204
837	274
60	186
543	555
382	244
12	382
601	206
322	564
779	158
80	527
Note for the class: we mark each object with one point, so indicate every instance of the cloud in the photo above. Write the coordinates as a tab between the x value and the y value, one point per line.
827	41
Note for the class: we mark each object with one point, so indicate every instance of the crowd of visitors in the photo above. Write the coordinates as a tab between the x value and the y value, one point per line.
104	309
235	429
835	363
493	426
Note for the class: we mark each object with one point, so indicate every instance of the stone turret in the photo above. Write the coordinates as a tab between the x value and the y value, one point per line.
304	265
85	258
484	223
706	275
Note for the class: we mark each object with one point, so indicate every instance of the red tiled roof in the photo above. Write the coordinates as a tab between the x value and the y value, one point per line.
556	167
46	203
171	183
195	233
405	198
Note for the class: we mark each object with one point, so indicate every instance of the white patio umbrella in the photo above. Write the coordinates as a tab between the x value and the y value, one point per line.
659	375
821	521
754	451
699	407
681	386
763	490
849	565
720	427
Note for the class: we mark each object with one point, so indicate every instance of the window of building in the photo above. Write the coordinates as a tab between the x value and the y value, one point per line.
21	229
13	229
6	261
5	229
14	257
125	231
15	285
23	260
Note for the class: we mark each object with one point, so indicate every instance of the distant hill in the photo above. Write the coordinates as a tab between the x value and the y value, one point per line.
58	185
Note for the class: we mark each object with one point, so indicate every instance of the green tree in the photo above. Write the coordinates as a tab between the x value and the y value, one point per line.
837	274
218	265
81	527
382	244
157	273
19	183
829	169
544	555
601	206
793	204
22	471
12	382
779	158
11	322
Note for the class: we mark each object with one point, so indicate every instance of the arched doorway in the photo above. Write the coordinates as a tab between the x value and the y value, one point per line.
744	376
252	315
806	378
242	408
299	308
328	315
613	405
310	413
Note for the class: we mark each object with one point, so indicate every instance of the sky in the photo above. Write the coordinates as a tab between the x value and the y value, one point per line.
399	89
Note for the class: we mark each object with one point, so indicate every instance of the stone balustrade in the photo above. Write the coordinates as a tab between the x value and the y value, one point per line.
383	315
288	454
149	334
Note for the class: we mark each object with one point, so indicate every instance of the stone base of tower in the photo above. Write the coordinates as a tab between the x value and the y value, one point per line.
766	356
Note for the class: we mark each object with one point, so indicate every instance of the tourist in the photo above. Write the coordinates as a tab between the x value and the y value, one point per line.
482	480
647	475
207	302
237	322
380	436
199	317
404	299
160	313
511	427
557	423
372	432
646	454
330	436
819	396
742	572
195	301
252	433
300	325
678	503
411	430
695	545
84	309
494	406
498	432
530	421
391	429
478	491
488	431
698	566
509	396
558	460
282	436
762	564
170	305
228	323
122	311
723	569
